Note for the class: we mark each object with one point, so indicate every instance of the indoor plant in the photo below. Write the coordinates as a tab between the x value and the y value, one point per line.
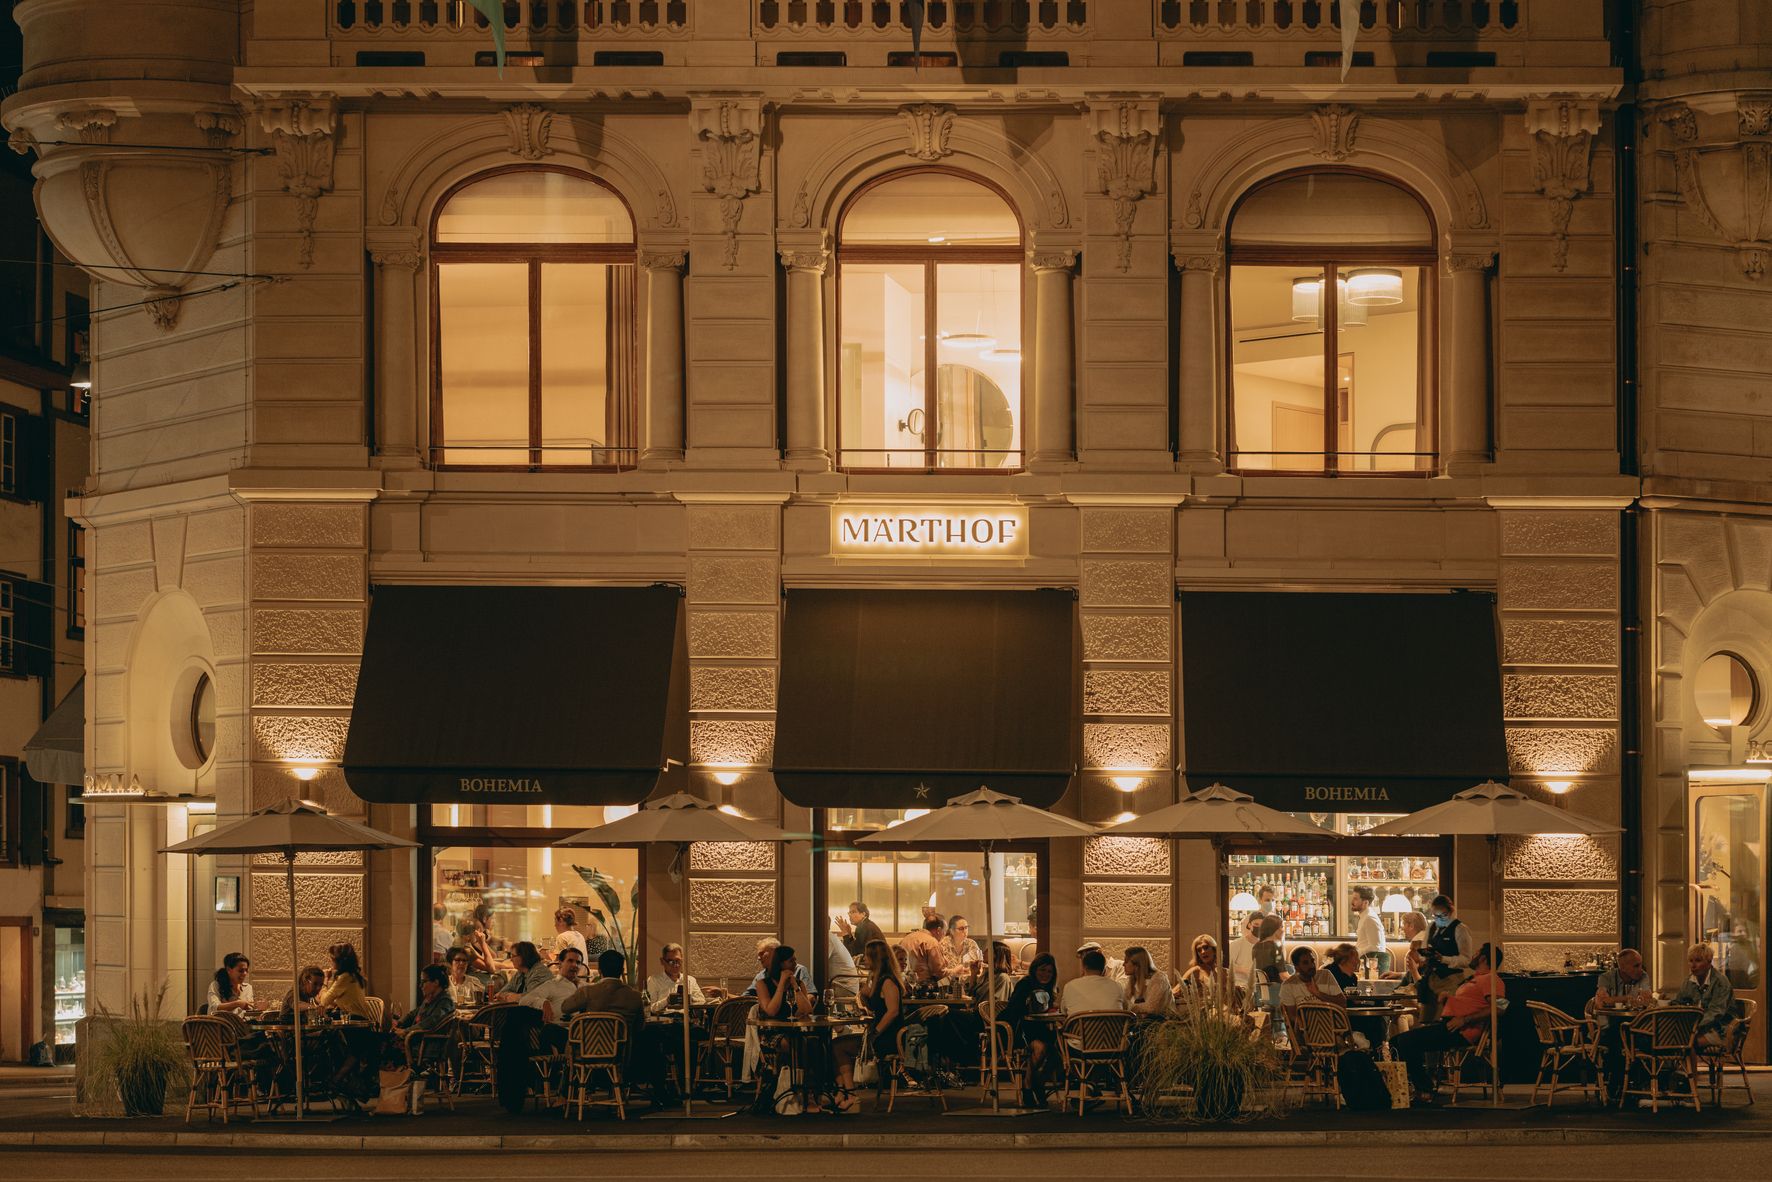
137	1056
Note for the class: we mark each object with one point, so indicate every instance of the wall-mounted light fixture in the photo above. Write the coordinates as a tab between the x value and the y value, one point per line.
1559	786
304	772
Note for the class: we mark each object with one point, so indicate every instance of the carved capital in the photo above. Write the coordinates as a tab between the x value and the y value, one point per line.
1199	262
809	261
303	134
730	134
663	260
1053	260
219	126
22	141
1333	129
89	125
1562	130
529	126
1126	138
931	126
1753	114
405	260
1473	260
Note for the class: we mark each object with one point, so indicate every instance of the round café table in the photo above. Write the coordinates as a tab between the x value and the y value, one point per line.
809	1039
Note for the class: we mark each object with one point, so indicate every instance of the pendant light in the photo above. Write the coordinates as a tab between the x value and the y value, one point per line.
1372	287
1307	302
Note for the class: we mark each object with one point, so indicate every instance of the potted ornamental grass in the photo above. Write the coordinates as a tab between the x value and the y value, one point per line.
135	1057
1207	1066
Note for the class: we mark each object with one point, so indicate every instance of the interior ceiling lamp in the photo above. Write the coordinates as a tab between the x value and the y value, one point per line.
1307	302
969	340
1374	287
1001	353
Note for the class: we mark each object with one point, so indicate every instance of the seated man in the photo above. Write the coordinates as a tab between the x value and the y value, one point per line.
1710	991
529	971
765	953
1094	990
1309	983
664	990
611	994
1463	1018
1627	983
926	951
551	993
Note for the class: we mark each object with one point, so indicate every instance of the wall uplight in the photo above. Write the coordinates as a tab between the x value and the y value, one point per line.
304	773
1122	818
1729	773
200	807
730	811
1559	786
1126	783
726	777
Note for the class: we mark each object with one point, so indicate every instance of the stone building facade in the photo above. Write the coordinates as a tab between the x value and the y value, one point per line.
262	184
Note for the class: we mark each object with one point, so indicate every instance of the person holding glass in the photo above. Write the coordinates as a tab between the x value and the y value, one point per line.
230	991
1029	1011
468	993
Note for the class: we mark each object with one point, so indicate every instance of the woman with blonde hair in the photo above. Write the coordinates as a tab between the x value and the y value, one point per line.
1147	988
882	991
1205	975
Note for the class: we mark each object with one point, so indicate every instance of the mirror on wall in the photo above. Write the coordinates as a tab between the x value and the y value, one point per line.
976	427
1724	691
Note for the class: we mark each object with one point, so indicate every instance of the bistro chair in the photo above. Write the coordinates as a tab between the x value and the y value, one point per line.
596	1044
1716	1060
1011	1060
217	1071
378	1010
893	1071
1659	1042
478	1051
1319	1034
433	1054
1567	1042
724	1049
1452	1064
1094	1042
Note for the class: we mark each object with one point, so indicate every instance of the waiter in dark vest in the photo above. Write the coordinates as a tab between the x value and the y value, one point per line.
1446	955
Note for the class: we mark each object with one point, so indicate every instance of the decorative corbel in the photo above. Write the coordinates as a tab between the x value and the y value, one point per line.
89	125
303	131
529	125
1562	131
730	132
1744	221
1126	135
219	126
931	126
1333	128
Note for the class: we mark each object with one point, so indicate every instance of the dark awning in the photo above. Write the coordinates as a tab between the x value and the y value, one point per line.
1341	702
902	699
518	695
56	754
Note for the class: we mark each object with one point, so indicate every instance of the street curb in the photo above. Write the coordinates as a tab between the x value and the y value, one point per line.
1214	1139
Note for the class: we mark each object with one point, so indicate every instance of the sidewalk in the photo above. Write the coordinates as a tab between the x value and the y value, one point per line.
478	1124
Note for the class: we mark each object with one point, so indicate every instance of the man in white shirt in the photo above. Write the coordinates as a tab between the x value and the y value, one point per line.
1308	982
664	991
1241	953
557	989
1116	968
1368	931
442	936
1093	990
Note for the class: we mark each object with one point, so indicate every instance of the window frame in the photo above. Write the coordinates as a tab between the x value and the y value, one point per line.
10	587
9	813
931	255
1327	260
76	592
12	430
534	254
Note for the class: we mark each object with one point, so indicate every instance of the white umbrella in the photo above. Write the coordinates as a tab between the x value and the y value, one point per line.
290	828
1494	811
679	820
983	817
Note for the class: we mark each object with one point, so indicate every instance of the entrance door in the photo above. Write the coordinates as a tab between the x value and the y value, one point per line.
1728	824
18	1028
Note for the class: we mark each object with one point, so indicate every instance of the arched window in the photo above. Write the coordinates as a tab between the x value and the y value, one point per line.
1341	385
533	341
929	314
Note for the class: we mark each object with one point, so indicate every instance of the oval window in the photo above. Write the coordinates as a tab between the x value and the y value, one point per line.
1725	692
203	719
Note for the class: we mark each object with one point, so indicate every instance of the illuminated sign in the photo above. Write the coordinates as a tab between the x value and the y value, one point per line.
1343	795
995	532
489	784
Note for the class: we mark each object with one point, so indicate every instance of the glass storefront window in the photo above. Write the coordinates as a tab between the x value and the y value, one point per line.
70	982
1728	871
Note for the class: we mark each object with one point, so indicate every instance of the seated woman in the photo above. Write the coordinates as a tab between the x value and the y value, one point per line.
1205	976
956	1036
359	1047
230	991
311	980
1344	966
465	991
882	991
317	1050
1147	988
1035	995
434	1012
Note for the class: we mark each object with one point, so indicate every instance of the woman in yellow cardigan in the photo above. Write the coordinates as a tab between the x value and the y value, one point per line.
359	1049
347	992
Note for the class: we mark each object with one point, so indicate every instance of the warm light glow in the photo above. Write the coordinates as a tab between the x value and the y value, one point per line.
1126	783
730	811
304	773
1396	902
547	816
547	861
200	806
1122	818
1374	287
1730	773
968	340
454	815
1719	722
913	814
726	776
960	531
937	239
1002	353
617	812
1559	786
1244	901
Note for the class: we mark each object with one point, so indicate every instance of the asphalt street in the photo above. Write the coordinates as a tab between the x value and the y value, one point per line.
1712	1156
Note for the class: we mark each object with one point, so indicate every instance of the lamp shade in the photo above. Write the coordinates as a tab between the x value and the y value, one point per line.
1371	287
1244	901
1396	903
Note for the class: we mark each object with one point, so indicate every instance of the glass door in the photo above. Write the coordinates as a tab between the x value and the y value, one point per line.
1728	828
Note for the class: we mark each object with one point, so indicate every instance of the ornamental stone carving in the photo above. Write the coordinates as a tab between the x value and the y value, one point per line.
729	132
1562	131
1125	135
1477	260
1726	180
814	261
1053	260
1333	128
89	125
663	260
529	126
303	134
931	127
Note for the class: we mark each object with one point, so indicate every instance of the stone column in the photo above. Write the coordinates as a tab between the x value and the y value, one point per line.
396	377
1465	429
661	415
1054	351
1199	351
808	449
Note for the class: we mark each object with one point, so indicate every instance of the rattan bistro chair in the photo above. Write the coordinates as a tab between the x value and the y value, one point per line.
1091	1043
217	1072
1716	1060
1320	1033
724	1050
1011	1060
1567	1042
433	1054
596	1045
1659	1042
478	1053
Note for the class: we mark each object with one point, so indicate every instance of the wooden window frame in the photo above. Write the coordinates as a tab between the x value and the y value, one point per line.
11	585
1329	260
76	581
12	424
9	813
931	256
620	407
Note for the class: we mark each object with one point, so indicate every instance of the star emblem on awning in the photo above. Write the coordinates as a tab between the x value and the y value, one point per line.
922	791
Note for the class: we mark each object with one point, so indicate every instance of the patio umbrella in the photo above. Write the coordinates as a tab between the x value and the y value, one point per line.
1493	811
680	819
984	818
289	828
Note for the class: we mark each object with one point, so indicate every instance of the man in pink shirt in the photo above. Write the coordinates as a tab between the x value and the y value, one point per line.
1463	1018
925	951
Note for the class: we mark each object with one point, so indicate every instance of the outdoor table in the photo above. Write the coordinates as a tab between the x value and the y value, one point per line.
799	1032
1521	1051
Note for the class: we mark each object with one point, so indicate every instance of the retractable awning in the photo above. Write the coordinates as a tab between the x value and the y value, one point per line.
56	754
518	695
1381	703
904	699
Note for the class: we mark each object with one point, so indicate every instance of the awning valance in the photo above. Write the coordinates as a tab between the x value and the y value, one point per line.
56	754
903	699
518	695
1341	703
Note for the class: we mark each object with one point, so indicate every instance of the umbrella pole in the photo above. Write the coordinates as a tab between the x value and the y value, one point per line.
688	1063
990	976
295	978
1494	974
